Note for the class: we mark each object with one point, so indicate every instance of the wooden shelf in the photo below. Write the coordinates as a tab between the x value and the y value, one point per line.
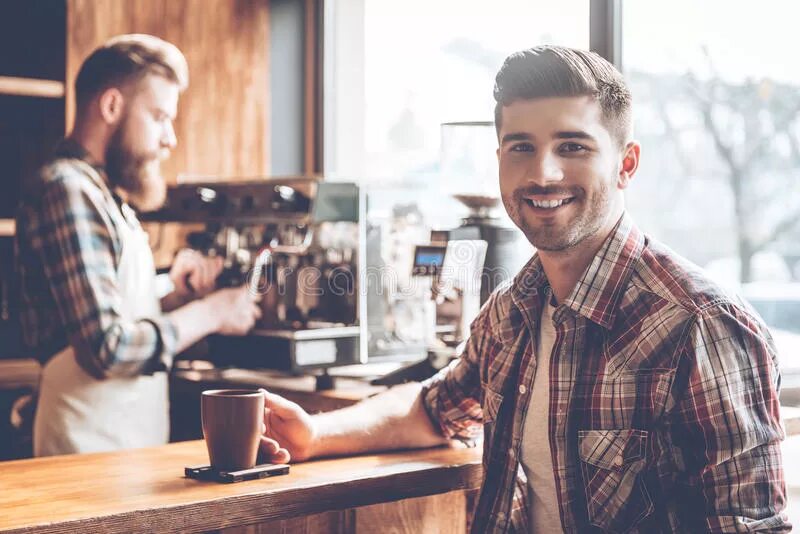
7	227
19	373
31	87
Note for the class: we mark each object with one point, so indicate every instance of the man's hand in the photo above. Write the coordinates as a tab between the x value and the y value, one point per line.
193	273
289	430
394	419
235	310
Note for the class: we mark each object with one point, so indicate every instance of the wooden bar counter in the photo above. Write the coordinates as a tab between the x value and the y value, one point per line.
144	490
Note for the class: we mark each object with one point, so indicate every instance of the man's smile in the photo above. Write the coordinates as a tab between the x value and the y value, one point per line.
547	205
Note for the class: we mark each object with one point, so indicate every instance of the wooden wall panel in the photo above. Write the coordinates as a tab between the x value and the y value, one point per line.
223	117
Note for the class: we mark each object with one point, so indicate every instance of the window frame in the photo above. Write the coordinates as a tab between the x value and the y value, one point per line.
605	30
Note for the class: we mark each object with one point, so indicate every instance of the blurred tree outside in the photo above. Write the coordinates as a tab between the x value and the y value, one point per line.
721	162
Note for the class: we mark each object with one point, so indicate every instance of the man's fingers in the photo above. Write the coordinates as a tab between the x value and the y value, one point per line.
216	265
275	453
203	272
195	283
281	457
282	407
269	445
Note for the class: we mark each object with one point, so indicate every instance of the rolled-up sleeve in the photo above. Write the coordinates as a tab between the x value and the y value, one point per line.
79	261
452	396
726	425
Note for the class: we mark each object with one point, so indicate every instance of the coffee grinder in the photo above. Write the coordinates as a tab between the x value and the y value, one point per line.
470	176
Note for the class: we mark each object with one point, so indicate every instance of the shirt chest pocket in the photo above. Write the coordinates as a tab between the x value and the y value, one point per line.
611	462
625	400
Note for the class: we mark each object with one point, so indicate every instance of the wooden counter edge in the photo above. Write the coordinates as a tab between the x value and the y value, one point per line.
243	510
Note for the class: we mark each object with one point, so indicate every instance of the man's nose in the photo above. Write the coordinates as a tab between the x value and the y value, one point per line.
168	139
545	168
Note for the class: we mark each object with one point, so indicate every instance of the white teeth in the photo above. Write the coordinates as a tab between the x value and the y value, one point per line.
547	203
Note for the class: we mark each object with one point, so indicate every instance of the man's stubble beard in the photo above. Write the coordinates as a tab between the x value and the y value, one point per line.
557	238
139	175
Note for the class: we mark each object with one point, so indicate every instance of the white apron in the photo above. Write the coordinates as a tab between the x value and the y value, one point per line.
76	412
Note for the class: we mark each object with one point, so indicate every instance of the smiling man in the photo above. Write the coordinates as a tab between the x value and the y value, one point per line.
617	387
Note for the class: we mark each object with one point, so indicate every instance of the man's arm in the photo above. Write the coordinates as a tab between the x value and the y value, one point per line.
408	416
230	311
726	425
394	419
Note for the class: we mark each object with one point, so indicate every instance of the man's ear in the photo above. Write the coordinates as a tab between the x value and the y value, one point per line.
629	164
112	105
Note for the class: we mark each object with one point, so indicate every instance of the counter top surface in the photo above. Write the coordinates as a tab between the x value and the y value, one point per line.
144	489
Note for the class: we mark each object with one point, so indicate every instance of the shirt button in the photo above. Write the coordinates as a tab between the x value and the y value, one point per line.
511	452
618	460
501	516
522	390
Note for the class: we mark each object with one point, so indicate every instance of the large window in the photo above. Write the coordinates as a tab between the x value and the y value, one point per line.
716	87
421	71
405	68
717	104
398	75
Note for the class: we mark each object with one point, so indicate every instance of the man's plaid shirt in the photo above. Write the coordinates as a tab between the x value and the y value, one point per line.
664	413
67	252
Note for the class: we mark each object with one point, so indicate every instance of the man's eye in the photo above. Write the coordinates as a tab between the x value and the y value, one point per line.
573	147
522	147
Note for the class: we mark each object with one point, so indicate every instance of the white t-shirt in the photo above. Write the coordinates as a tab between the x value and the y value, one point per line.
536	459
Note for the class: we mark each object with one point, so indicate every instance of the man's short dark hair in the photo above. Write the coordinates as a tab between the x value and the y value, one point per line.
555	71
126	59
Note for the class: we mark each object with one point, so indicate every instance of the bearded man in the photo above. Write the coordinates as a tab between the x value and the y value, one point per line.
92	310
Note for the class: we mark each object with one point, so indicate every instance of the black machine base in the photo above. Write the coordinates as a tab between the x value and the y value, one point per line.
297	351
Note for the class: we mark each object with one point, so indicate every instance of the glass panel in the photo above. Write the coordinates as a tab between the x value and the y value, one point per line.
429	63
716	87
428	106
717	110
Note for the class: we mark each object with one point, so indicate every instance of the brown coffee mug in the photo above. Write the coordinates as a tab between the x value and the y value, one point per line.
232	420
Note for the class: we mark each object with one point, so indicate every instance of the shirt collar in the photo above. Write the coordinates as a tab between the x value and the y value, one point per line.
597	293
70	149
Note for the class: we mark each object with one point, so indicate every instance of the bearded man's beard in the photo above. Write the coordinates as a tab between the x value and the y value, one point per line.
138	174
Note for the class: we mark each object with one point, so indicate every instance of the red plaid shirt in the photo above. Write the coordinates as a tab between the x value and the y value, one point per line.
664	413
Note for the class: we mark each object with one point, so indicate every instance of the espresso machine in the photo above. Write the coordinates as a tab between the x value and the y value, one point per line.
296	243
449	275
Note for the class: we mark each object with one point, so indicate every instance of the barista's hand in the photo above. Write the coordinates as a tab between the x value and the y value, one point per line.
235	309
193	273
289	430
